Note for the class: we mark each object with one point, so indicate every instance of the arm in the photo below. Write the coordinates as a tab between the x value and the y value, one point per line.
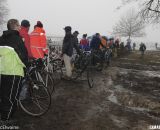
75	45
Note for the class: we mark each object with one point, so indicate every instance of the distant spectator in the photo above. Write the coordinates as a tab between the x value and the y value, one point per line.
129	44
142	48
122	45
156	45
134	46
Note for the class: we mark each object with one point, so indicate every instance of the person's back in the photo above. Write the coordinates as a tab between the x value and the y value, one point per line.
95	42
12	39
84	43
12	54
142	48
10	63
38	42
104	42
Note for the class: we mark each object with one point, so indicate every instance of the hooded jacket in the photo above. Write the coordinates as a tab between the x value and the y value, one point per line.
38	43
12	39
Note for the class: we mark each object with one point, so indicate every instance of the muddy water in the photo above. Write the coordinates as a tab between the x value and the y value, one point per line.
125	97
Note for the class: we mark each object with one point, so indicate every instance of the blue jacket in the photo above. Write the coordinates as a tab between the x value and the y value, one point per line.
95	43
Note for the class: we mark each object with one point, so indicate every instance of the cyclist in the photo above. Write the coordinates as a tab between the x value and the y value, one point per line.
12	56
38	41
67	51
84	43
75	37
95	48
25	25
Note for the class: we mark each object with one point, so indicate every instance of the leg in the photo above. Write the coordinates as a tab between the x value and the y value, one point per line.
67	62
10	88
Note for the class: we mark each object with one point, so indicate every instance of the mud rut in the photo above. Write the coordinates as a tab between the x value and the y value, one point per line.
126	97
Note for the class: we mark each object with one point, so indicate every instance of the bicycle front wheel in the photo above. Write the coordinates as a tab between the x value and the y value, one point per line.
90	76
38	100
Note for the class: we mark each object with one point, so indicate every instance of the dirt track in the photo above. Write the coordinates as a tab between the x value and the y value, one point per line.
125	97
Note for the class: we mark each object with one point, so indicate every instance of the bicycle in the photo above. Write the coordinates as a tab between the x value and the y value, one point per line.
83	63
44	74
37	100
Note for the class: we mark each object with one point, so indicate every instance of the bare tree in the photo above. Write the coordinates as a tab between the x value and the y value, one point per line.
3	12
129	26
149	9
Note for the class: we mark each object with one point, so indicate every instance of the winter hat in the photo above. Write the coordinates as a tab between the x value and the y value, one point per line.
39	24
68	28
25	23
84	35
76	32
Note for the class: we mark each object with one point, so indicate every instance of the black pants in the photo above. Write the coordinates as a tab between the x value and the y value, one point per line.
10	87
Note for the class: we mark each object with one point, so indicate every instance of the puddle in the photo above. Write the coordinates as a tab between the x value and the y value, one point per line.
113	99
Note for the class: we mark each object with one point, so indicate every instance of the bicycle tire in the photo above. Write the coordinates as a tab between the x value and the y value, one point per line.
32	105
47	79
90	76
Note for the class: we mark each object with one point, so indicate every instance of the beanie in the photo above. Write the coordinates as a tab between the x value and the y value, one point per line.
25	23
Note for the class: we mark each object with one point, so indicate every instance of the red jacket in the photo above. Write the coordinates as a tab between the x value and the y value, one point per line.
84	42
24	34
38	43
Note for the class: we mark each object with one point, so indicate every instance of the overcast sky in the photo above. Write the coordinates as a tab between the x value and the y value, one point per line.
86	16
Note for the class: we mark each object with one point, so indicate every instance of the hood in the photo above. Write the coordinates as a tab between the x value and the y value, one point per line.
9	33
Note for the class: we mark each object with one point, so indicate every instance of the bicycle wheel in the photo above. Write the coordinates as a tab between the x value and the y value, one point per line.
58	70
46	78
90	76
38	100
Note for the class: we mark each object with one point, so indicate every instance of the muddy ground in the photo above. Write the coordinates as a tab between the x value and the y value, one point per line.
126	96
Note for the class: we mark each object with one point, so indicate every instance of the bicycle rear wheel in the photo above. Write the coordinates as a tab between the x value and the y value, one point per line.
38	100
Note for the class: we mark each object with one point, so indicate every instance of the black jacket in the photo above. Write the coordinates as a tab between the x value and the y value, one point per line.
69	43
13	39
